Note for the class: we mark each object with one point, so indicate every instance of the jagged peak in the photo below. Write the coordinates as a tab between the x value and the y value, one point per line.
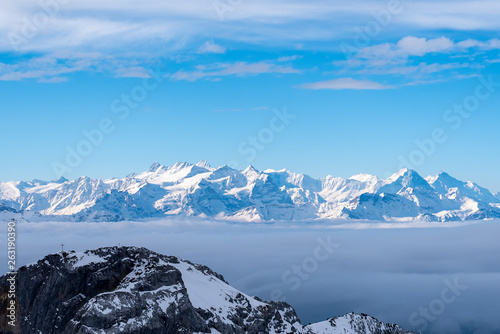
246	188
363	177
250	169
403	172
444	175
225	168
203	164
155	167
62	179
407	177
404	179
180	164
431	179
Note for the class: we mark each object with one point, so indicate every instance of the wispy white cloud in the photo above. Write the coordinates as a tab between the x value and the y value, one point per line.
53	79
414	46
132	72
261	108
119	25
229	110
211	47
127	30
421	68
405	58
232	69
289	58
48	68
410	46
56	67
404	48
344	83
473	43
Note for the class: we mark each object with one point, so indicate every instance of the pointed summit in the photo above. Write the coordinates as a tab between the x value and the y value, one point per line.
400	173
179	165
203	164
62	179
405	178
155	167
445	177
250	169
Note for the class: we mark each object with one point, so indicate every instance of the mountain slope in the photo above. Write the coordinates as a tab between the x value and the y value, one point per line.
250	195
135	290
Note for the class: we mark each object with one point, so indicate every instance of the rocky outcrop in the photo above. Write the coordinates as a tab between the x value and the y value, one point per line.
135	290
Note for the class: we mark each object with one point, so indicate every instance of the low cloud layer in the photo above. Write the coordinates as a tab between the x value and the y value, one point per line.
390	273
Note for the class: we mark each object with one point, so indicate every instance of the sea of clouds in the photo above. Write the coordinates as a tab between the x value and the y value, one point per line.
429	277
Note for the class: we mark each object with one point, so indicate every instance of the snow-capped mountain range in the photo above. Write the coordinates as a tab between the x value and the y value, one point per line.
134	290
249	195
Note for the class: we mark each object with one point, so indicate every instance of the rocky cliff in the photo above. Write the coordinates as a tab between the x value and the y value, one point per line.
135	290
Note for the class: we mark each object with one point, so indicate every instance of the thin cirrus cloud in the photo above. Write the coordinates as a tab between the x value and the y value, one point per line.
289	58
411	46
179	28
48	69
211	47
232	69
404	48
118	24
344	83
55	68
415	58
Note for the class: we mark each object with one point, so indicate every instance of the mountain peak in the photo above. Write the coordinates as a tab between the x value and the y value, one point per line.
404	179
402	172
155	167
203	164
249	169
446	176
225	168
184	188
363	177
62	179
180	164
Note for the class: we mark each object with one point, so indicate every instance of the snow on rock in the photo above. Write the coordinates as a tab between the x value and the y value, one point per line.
353	323
249	195
135	290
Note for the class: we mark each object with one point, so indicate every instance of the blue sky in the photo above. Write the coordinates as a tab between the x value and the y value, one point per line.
318	87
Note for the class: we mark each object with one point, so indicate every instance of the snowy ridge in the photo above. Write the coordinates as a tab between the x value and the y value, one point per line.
135	290
249	195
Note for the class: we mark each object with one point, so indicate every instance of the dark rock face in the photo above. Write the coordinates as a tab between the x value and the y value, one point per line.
6	208
137	291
